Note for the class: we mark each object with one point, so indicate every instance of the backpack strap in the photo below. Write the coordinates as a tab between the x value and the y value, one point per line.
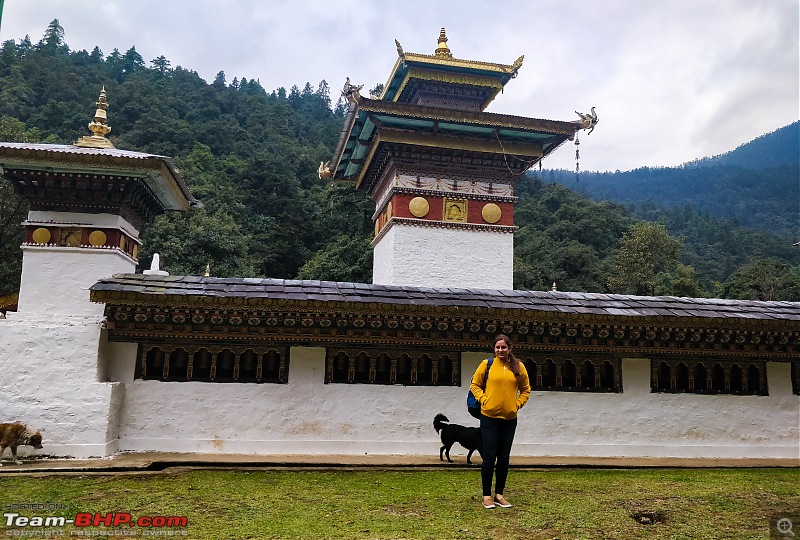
486	375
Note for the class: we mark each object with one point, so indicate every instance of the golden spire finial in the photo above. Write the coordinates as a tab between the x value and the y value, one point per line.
554	287
442	49
99	126
208	270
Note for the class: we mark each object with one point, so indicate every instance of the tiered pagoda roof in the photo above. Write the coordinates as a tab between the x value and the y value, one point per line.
70	178
433	106
414	74
92	176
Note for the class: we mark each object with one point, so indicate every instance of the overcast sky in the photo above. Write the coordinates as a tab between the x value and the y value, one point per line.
671	80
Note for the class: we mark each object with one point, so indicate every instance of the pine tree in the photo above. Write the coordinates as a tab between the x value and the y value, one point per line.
53	39
161	64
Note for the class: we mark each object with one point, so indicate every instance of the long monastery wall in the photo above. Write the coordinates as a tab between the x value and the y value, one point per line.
87	403
307	416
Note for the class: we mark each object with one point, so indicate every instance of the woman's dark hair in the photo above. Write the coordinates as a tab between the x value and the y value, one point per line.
513	363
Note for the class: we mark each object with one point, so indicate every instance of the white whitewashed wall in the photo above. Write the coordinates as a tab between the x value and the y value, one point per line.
444	257
87	405
53	351
307	416
49	380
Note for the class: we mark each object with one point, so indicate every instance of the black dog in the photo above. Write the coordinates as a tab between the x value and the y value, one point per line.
468	437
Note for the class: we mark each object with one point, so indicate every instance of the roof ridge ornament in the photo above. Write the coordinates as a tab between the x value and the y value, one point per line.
516	65
442	49
155	269
588	120
351	92
98	126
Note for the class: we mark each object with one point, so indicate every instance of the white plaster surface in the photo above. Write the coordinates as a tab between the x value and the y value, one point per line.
638	423
56	280
443	257
49	381
307	416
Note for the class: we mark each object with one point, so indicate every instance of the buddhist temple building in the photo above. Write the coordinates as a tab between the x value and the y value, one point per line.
440	169
103	358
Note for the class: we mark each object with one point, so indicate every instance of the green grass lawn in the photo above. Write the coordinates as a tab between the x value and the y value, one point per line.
420	503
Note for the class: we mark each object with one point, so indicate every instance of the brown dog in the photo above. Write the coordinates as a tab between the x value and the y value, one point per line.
14	435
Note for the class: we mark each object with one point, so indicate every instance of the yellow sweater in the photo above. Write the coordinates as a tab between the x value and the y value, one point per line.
504	396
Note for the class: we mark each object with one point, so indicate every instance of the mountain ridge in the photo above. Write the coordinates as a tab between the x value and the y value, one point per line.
756	185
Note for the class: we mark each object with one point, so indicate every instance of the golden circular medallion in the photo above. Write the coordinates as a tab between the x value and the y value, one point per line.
419	207
97	238
41	235
491	213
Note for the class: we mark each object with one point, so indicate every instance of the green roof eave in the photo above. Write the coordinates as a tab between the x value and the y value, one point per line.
500	72
159	173
360	127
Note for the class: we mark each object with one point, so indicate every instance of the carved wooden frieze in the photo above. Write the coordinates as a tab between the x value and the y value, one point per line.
439	327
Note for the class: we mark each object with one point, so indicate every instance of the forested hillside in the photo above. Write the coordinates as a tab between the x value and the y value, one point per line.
756	185
779	148
251	156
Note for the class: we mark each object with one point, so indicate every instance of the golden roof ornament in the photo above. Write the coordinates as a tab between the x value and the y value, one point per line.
588	120
516	65
98	126
351	92
442	49
324	170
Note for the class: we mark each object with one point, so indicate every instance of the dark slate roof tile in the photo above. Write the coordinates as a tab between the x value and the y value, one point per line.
785	316
403	301
467	302
546	301
590	310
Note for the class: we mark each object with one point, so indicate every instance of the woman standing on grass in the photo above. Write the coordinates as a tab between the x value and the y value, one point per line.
505	391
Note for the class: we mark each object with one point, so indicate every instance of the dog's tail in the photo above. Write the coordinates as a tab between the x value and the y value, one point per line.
438	422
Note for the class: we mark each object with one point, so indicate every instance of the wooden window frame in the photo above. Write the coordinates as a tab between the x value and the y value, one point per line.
409	367
223	363
720	376
570	372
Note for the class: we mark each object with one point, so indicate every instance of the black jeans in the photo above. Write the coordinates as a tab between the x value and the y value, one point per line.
498	435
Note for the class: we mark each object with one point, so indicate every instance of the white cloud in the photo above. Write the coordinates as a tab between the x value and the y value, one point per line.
672	81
